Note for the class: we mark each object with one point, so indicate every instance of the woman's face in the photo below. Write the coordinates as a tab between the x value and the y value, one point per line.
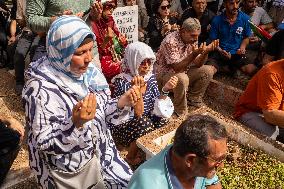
108	10
164	9
81	59
144	67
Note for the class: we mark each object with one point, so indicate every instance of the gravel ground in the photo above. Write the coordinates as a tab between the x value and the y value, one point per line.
11	106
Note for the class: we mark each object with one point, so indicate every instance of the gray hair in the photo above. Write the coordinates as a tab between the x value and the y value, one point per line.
191	24
193	134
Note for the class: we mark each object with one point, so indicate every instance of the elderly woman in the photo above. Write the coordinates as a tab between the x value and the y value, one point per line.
68	105
111	43
152	109
160	24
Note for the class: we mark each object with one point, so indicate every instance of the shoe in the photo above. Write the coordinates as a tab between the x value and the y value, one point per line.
19	89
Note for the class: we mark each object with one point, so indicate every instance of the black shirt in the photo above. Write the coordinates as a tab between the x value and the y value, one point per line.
205	20
275	46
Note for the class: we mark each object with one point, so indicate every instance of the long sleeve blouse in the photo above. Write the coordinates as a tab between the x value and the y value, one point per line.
55	143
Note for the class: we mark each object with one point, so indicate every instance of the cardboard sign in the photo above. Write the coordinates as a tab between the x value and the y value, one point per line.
126	19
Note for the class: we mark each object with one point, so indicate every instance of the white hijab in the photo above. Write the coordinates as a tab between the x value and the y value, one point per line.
135	54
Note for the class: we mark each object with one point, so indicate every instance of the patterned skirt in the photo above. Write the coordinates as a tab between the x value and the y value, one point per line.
130	131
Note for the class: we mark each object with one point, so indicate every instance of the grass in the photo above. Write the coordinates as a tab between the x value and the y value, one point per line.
247	168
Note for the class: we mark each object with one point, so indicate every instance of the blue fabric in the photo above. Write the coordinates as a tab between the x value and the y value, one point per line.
281	26
230	36
151	94
154	174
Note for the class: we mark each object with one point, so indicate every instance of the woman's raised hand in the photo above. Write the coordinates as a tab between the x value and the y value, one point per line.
171	84
130	97
84	110
96	11
139	82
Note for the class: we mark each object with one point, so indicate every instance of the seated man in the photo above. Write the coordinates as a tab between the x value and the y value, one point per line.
260	18
204	15
258	15
11	134
178	56
200	146
233	30
275	48
261	106
277	11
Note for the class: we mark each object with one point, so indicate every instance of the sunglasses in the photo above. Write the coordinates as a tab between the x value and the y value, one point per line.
109	7
165	7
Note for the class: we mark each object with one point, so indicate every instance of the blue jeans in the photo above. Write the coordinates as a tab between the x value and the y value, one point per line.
22	49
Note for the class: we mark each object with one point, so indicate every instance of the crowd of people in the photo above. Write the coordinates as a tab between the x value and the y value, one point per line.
86	89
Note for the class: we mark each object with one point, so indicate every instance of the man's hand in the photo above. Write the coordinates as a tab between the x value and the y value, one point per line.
253	39
171	84
241	51
129	98
212	46
224	53
84	110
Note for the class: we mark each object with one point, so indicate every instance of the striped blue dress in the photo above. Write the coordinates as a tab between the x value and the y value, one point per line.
54	141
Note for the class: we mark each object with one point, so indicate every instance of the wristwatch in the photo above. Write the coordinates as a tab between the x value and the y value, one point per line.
164	93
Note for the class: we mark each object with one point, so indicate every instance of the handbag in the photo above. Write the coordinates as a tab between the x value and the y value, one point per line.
87	177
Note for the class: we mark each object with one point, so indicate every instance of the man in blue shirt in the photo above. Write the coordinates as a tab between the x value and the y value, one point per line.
200	146
233	31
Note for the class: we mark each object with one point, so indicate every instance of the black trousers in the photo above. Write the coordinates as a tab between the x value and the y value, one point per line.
9	148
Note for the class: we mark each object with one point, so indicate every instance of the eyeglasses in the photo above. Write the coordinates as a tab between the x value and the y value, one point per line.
165	7
217	162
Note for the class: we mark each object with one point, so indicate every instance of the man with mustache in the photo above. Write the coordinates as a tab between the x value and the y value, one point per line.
233	30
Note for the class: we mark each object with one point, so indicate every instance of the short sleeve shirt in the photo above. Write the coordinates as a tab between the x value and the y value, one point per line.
264	91
230	36
172	51
260	17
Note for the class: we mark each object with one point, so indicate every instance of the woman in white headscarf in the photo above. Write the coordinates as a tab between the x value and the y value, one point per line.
152	109
68	105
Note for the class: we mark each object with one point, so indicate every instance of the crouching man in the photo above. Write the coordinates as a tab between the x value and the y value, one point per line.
261	106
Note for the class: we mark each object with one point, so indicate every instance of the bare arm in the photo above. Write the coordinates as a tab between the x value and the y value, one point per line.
201	59
244	43
181	66
275	117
